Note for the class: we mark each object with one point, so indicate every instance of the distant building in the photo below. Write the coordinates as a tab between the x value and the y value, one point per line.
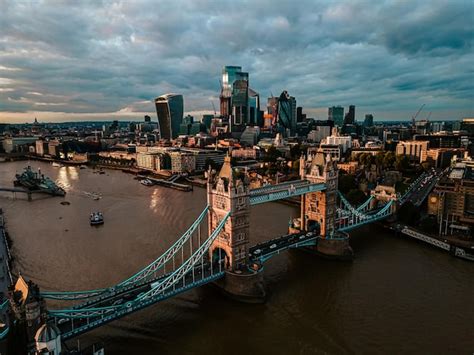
169	109
344	142
441	157
369	120
182	162
287	113
412	149
238	102
41	147
18	144
336	114
300	116
349	118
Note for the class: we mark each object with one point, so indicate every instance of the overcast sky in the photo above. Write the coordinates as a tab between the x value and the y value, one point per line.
84	60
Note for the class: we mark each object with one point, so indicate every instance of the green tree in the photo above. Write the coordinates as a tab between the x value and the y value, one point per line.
388	160
402	162
271	154
346	183
355	197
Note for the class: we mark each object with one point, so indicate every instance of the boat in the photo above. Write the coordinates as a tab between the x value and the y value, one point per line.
147	182
56	165
36	181
82	167
96	218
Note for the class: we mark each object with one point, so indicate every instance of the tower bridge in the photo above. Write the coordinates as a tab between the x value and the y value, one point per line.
224	255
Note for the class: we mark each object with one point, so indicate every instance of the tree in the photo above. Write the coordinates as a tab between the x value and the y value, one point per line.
388	160
402	162
346	183
355	197
271	154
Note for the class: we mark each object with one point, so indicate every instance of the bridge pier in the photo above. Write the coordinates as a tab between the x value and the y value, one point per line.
243	286
337	247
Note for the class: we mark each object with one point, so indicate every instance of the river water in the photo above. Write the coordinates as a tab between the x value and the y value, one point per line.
397	296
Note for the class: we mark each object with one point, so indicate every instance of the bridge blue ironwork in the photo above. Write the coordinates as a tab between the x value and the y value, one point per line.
153	283
141	276
281	191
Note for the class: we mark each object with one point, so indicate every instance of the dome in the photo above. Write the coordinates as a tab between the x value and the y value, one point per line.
47	333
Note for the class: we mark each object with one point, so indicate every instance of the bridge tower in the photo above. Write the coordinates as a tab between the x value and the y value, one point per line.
228	192
319	208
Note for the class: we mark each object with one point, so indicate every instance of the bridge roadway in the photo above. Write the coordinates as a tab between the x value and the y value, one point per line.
264	251
124	303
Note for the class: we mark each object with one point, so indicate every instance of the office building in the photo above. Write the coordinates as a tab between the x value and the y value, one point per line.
336	114
169	109
369	120
287	113
349	118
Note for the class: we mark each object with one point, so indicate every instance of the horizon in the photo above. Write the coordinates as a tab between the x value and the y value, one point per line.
63	62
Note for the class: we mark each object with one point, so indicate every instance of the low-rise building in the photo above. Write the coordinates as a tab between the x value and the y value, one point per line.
412	149
182	162
350	167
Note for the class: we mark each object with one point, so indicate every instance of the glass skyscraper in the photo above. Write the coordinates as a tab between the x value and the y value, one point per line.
287	113
169	109
336	114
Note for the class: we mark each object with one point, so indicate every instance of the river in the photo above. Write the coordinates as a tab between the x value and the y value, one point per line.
397	296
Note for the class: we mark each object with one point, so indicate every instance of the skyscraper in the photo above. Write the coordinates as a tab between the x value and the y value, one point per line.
287	112
169	109
238	102
336	114
369	120
349	118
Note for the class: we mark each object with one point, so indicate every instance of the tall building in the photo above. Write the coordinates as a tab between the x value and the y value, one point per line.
349	118
300	116
336	114
169	109
238	102
287	113
369	120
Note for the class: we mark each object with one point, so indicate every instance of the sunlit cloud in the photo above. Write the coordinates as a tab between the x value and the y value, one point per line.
110	60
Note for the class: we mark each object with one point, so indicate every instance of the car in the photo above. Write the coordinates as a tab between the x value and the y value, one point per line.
63	320
309	234
256	252
302	237
117	302
273	246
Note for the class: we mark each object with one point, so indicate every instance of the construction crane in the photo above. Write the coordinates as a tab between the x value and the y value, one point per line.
214	107
413	119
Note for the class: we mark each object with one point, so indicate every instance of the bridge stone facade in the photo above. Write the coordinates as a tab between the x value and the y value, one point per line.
319	207
227	192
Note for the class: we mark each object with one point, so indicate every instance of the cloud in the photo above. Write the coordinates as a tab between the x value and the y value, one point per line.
102	57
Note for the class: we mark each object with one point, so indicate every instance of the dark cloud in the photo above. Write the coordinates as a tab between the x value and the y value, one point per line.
99	57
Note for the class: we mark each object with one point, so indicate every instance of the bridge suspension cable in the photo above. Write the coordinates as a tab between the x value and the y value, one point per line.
138	277
158	289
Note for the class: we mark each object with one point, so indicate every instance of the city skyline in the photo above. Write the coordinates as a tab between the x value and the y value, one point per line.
109	61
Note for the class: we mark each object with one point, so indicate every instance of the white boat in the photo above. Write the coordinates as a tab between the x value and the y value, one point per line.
96	218
147	182
56	165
